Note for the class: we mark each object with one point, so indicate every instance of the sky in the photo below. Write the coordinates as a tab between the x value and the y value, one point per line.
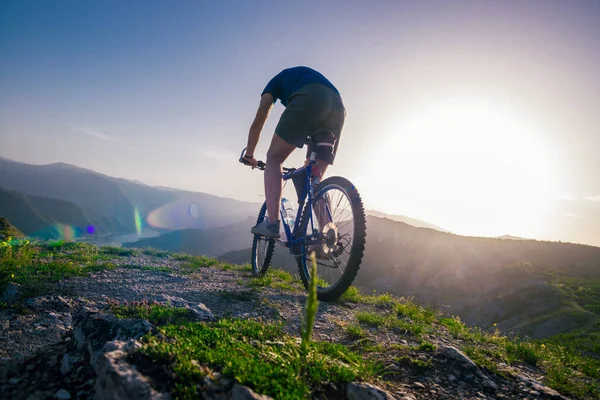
477	116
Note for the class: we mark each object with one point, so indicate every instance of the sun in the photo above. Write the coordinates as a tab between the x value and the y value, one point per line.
470	168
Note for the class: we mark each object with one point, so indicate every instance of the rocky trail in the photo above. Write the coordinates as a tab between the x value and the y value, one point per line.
69	345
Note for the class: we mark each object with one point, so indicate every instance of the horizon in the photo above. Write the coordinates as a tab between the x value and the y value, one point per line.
368	210
476	117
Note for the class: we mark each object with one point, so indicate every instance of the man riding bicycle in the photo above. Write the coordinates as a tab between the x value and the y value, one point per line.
313	105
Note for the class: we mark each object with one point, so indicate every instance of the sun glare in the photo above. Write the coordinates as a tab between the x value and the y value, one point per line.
473	170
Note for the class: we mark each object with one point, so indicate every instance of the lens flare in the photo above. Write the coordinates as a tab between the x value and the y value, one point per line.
65	232
179	214
138	220
90	229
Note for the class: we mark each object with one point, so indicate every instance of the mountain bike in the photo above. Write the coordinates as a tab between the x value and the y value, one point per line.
332	224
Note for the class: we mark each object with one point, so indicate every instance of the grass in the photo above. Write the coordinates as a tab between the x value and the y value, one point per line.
356	331
194	263
155	313
118	251
277	279
37	266
566	369
258	355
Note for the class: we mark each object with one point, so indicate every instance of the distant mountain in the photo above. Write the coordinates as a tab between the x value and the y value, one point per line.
123	202
407	220
7	230
212	242
510	237
39	216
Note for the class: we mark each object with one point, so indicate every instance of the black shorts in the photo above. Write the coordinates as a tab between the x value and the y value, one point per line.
312	108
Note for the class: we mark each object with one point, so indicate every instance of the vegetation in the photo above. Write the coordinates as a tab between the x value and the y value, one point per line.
154	312
36	266
264	357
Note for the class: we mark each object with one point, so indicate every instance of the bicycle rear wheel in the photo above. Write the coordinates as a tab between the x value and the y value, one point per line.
337	235
262	248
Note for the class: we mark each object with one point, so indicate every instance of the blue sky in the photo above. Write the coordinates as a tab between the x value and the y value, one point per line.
164	92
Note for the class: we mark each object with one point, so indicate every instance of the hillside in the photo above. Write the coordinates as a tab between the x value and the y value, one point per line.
7	230
119	201
407	220
141	322
531	287
202	242
40	216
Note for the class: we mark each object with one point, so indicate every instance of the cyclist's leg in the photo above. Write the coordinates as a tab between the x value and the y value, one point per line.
277	154
334	122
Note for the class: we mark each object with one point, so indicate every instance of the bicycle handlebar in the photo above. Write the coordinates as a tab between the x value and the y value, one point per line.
261	165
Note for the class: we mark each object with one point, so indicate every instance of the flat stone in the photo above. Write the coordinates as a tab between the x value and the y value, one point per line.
418	385
366	391
454	353
488	383
240	392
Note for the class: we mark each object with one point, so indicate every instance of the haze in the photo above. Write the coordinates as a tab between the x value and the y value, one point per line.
480	117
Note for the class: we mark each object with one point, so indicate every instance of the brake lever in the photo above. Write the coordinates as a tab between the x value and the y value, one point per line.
260	165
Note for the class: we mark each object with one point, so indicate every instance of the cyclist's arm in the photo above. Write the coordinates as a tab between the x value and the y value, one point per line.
264	108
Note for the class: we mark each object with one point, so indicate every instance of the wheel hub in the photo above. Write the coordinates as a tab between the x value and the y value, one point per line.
330	238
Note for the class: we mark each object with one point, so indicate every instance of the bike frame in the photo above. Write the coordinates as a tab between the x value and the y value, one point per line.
308	187
291	240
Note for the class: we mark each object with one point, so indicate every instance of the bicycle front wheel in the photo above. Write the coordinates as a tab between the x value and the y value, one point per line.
336	233
262	248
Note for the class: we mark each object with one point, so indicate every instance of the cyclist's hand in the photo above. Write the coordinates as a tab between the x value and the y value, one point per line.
252	162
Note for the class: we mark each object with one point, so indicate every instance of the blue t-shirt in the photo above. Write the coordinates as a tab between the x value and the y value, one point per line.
290	80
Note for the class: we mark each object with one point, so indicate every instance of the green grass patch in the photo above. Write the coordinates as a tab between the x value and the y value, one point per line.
426	346
352	294
36	268
197	262
276	279
149	251
155	313
258	355
356	331
118	251
373	319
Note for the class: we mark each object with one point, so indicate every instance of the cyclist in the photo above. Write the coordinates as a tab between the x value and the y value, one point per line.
312	104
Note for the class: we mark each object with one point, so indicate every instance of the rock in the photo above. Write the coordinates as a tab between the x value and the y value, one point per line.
437	380
93	330
546	392
14	381
12	293
454	353
119	380
366	391
451	378
488	383
418	385
200	311
5	324
65	364
62	394
240	392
